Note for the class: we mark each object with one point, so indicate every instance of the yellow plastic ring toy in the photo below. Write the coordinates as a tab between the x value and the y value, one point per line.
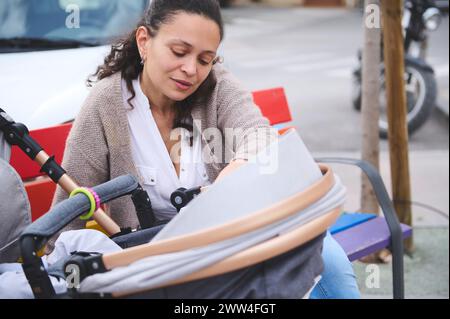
91	198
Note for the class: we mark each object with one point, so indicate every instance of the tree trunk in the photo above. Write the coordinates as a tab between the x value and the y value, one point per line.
397	111
370	108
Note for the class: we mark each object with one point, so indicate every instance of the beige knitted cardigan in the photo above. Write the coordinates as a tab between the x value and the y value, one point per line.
99	148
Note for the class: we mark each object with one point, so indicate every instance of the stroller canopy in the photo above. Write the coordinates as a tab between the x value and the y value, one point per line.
280	191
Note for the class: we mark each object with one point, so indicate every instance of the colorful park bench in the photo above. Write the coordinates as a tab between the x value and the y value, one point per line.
359	234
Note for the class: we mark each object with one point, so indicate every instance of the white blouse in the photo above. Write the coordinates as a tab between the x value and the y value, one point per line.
152	159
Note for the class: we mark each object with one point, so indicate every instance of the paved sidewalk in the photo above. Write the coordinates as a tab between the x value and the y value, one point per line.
427	270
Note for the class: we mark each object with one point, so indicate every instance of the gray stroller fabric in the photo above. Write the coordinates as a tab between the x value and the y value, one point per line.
288	276
15	212
5	148
244	192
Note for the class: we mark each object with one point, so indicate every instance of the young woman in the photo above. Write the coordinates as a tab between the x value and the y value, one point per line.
162	80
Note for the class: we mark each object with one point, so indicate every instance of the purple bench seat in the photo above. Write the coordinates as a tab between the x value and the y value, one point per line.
367	238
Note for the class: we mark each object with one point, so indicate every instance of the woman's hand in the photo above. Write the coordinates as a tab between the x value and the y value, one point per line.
230	168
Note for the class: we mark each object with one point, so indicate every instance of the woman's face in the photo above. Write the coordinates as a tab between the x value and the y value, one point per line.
180	56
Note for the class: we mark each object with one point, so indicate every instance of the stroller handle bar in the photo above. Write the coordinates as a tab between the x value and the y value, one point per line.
36	235
66	211
18	134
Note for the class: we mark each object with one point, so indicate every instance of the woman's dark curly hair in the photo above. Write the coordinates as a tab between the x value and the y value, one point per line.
125	58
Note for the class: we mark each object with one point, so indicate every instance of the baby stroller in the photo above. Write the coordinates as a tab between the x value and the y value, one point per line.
262	240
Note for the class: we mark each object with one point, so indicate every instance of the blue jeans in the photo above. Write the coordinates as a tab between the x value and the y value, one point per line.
338	279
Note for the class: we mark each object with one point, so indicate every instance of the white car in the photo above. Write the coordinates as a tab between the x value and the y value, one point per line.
48	48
